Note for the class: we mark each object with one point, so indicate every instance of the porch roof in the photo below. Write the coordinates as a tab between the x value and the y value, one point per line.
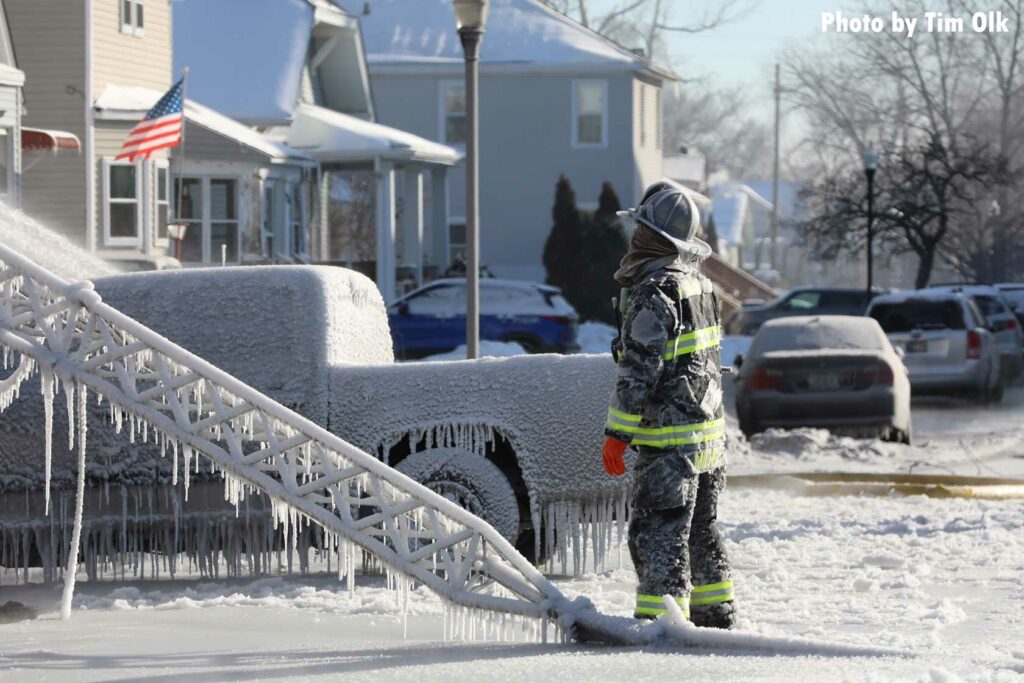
332	137
131	104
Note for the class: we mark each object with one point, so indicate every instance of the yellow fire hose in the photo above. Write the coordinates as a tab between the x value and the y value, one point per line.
884	484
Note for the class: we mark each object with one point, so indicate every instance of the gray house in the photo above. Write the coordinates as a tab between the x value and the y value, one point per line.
295	71
555	98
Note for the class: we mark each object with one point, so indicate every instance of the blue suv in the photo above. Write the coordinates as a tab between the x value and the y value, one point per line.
432	319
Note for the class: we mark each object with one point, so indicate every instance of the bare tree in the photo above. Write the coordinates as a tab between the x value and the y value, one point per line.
644	24
932	103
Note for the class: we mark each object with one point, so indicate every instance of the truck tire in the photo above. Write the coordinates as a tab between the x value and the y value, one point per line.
470	481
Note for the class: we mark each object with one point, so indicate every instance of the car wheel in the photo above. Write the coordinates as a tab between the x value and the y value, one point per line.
470	481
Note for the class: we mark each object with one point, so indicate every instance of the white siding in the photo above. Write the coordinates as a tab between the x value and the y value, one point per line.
646	131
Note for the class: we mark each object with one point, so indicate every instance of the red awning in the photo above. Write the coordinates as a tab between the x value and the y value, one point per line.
53	141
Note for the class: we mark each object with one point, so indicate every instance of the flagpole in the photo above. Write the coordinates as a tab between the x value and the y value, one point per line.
181	159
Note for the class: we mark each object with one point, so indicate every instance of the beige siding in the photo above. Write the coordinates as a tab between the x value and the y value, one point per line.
49	40
646	131
129	60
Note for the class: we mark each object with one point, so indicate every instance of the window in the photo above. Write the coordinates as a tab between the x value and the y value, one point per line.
210	208
297	219
803	301
456	241
589	113
443	301
192	214
453	113
919	314
122	215
132	17
223	219
163	190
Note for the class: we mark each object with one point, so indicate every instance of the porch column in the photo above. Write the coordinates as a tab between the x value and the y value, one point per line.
439	216
386	232
412	219
325	207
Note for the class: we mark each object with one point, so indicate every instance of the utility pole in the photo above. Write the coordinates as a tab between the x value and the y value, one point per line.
775	173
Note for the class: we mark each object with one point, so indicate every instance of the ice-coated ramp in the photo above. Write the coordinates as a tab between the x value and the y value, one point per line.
78	344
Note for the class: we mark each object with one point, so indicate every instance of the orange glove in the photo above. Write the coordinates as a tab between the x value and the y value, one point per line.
612	454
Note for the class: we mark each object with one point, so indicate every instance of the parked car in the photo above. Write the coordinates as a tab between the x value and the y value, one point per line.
1001	321
1013	292
800	301
947	345
833	371
432	319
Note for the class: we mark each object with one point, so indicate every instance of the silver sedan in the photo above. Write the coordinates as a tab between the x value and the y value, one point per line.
834	372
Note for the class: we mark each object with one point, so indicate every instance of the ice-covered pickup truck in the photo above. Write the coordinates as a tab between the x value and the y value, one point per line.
515	440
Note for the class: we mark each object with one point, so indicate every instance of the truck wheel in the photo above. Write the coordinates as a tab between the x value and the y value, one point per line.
470	481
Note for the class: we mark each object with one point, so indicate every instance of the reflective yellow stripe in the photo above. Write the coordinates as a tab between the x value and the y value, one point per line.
712	593
716	424
625	417
619	421
707	459
691	342
655	605
707	588
680	435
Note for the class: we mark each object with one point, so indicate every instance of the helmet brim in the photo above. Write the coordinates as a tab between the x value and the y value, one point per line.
693	248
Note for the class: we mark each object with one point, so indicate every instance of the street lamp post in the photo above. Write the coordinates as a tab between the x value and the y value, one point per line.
470	17
870	166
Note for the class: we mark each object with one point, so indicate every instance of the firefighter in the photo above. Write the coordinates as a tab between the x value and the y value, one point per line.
668	405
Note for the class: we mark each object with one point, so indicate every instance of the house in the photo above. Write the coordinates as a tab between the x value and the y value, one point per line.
555	98
743	224
94	69
70	52
11	103
687	167
295	70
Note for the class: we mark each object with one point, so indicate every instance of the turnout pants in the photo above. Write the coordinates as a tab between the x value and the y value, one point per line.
674	540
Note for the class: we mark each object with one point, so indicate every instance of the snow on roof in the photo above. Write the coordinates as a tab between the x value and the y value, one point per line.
911	294
330	136
48	248
684	167
523	33
809	332
732	202
244	63
123	101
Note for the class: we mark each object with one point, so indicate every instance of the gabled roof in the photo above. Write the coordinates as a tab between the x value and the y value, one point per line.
520	34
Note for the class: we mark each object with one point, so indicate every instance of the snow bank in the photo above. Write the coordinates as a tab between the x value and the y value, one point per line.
594	337
48	248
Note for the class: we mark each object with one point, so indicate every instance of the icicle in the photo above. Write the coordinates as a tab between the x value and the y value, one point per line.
46	376
76	536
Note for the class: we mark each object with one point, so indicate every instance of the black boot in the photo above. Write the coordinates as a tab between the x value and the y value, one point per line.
719	615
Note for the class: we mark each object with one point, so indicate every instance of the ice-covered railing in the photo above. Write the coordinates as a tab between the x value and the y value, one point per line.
158	390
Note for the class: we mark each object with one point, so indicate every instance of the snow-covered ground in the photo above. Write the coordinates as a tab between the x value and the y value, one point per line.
941	579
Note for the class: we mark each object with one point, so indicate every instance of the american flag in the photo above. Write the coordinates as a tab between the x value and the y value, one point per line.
159	129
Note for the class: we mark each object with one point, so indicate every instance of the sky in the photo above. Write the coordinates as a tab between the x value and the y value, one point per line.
742	53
